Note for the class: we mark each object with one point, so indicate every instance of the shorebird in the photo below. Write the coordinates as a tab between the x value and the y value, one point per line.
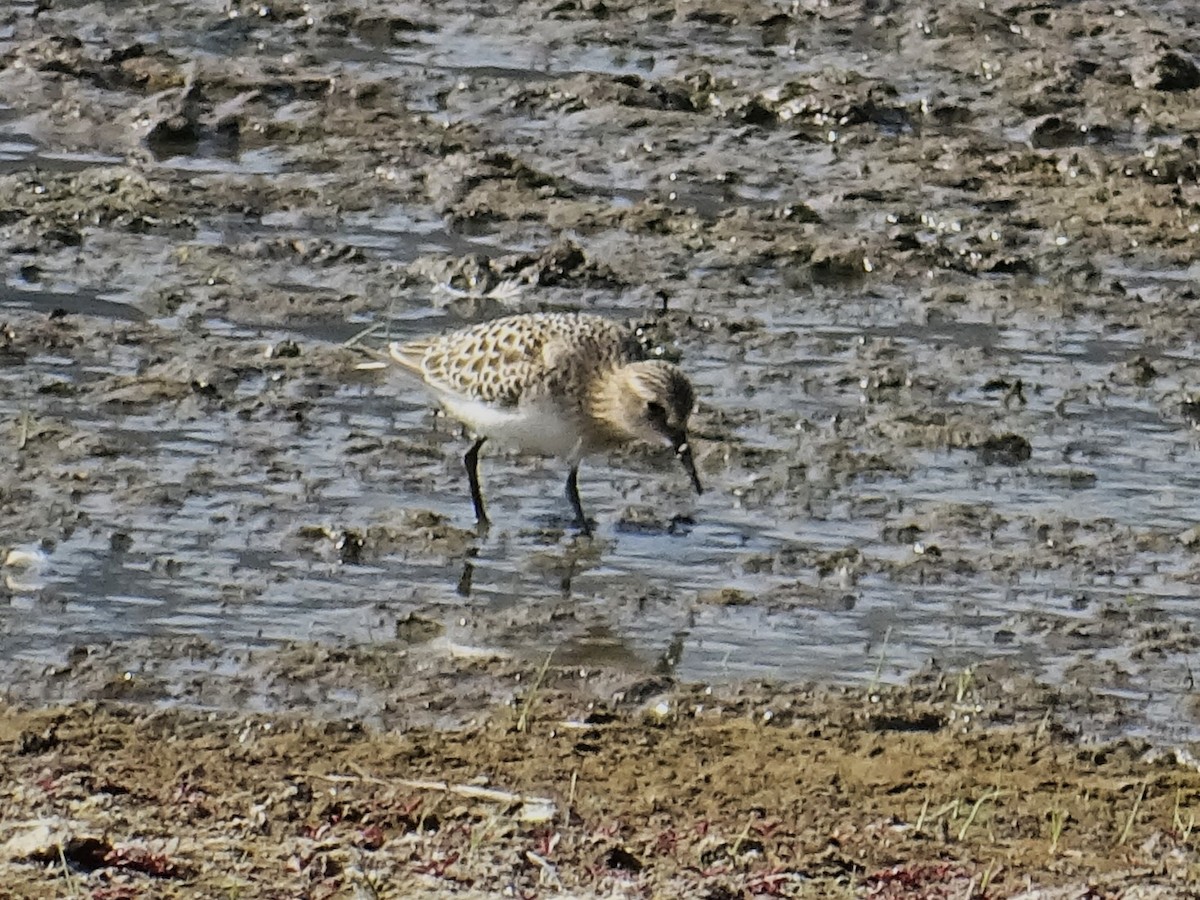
558	384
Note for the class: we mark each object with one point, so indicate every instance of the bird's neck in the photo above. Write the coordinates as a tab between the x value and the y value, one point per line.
606	405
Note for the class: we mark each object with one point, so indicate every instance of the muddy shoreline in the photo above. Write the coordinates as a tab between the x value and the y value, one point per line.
657	791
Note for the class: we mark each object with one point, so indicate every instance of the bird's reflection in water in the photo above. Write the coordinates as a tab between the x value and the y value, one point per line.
463	589
671	656
564	564
560	565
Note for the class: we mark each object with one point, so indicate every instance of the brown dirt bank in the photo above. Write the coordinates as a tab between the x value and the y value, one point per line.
750	792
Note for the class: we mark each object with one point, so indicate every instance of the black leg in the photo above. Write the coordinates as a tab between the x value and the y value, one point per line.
465	579
471	461
573	498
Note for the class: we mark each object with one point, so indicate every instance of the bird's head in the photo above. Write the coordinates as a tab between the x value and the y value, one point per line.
651	401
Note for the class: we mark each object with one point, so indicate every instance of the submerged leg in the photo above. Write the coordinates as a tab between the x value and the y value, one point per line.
573	499
471	461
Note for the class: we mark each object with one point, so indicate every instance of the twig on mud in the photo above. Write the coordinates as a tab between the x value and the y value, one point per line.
361	775
964	684
874	683
379	358
1042	726
1137	805
737	845
533	809
466	790
950	809
371	365
575	782
531	698
72	884
1184	831
547	870
985	880
355	339
1058	822
921	815
477	835
993	794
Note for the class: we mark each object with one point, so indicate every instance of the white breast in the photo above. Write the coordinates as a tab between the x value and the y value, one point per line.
538	427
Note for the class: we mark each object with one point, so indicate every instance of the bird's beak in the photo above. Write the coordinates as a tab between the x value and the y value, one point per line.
684	451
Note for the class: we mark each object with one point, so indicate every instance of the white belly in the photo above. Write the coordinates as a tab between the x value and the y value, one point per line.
528	427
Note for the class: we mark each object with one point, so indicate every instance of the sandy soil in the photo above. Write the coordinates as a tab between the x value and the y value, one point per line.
660	792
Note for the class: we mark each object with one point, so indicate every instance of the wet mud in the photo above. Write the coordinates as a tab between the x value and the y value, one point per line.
932	268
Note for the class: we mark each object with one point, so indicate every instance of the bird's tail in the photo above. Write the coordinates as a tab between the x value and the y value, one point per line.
408	355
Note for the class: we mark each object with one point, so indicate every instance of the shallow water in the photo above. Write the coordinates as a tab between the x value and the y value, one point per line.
189	570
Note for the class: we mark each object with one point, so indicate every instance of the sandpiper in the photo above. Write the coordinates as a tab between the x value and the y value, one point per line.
559	384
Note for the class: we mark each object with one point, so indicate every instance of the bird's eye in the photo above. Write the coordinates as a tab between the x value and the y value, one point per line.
656	410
